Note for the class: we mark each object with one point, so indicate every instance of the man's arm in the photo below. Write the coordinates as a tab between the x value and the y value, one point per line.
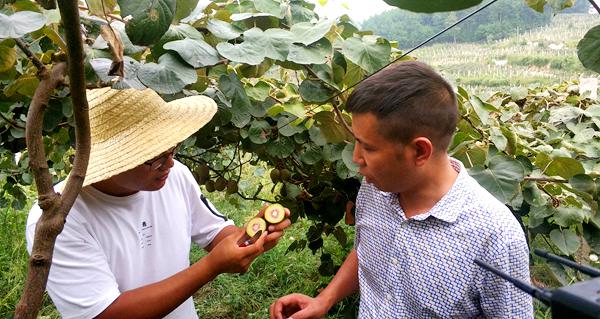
300	306
158	299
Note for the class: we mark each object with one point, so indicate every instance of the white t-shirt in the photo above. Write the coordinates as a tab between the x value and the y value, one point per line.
113	244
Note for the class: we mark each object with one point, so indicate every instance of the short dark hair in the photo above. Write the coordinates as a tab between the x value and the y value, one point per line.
409	99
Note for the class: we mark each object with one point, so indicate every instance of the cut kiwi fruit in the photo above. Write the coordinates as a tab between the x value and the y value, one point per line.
275	213
254	225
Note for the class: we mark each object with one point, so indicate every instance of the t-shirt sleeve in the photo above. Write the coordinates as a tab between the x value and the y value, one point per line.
499	298
80	282
207	222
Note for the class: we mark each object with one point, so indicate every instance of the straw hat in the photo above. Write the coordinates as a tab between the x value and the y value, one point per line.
129	127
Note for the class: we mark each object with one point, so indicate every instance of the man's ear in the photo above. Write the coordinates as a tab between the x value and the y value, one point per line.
423	150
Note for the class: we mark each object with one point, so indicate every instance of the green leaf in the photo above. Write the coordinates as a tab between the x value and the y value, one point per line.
371	53
272	7
196	53
101	8
259	91
130	68
311	155
24	85
308	33
566	216
150	19
316	53
333	131
232	87
533	195
482	109
223	30
564	167
566	240
259	132
169	76
258	45
287	127
501	178
184	8
588	49
175	32
537	5
313	91
8	57
430	6
583	183
281	147
20	23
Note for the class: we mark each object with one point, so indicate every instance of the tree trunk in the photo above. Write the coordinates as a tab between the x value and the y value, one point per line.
55	207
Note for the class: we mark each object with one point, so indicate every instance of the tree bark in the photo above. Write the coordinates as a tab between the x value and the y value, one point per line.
55	207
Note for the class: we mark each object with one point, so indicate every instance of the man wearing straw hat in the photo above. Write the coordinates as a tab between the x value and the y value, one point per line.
124	250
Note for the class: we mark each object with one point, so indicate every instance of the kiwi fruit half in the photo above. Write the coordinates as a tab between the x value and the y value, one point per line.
275	213
254	225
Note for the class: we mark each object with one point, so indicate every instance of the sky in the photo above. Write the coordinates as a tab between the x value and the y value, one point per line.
358	10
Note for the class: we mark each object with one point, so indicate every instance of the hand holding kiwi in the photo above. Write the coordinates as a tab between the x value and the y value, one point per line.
272	214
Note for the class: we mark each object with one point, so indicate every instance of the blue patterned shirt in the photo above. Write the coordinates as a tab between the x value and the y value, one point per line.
422	267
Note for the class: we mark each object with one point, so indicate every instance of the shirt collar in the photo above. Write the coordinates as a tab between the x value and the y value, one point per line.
450	206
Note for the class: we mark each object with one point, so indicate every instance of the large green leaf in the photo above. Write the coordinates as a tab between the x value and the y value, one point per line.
281	147
175	32
184	8
150	19
431	6
223	30
258	45
333	131
8	57
370	53
564	167
232	87
169	76
308	33
196	53
501	178
313	91
130	66
566	240
588	49
316	53
20	23
101	8
259	132
272	7
566	216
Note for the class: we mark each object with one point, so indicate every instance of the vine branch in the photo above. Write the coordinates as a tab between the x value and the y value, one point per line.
34	59
11	122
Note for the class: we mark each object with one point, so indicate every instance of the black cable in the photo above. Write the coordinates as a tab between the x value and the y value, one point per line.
595	5
403	55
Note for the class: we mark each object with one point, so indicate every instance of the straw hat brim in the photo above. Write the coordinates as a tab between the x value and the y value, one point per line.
136	136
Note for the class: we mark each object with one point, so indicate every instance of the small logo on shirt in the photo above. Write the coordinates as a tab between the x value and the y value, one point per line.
145	235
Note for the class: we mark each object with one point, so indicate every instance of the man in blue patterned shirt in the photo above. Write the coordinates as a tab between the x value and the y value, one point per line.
421	220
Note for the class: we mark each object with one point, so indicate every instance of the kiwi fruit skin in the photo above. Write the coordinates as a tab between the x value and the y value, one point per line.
272	218
258	222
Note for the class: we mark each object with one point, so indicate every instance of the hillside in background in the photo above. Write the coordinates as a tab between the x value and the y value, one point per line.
542	56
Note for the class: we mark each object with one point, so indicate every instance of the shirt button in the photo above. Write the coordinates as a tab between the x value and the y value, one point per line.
394	261
388	297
